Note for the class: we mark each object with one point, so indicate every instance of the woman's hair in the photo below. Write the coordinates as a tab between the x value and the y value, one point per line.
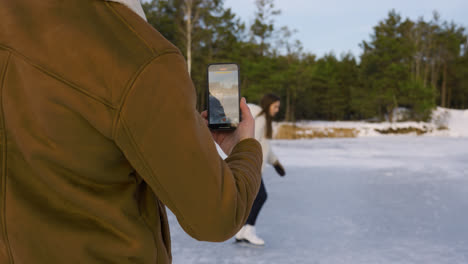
267	100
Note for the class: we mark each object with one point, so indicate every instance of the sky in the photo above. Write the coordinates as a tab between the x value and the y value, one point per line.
339	26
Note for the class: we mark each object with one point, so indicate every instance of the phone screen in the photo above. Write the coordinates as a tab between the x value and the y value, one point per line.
223	93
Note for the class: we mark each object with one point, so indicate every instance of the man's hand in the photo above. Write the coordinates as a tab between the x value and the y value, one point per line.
228	139
279	168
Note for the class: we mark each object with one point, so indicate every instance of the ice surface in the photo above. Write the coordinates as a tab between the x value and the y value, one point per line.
398	199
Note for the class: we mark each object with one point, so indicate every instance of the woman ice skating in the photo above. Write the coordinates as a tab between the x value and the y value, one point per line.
269	107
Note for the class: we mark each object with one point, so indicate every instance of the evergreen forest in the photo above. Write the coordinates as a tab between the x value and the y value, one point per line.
414	65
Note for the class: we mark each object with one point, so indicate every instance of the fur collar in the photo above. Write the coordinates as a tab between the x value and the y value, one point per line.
134	5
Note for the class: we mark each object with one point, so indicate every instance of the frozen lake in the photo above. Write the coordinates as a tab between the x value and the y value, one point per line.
367	200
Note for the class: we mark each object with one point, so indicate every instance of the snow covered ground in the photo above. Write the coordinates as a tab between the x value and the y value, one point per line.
445	122
455	120
396	199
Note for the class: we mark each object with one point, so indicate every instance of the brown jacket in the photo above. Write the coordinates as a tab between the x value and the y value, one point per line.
98	129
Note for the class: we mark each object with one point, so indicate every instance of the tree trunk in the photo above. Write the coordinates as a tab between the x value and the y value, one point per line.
288	104
418	67
391	109
293	106
188	32
390	113
443	93
449	97
429	60
433	72
418	58
426	73
189	47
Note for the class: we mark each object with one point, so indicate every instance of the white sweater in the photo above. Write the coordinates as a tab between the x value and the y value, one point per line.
260	130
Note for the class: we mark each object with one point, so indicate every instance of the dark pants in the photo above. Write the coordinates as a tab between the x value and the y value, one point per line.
257	205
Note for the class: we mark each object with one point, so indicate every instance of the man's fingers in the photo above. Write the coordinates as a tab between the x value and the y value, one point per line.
243	104
204	115
244	108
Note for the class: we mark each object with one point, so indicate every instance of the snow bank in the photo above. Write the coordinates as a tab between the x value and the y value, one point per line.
445	122
456	121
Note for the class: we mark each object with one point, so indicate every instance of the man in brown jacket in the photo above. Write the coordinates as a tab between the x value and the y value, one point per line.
98	131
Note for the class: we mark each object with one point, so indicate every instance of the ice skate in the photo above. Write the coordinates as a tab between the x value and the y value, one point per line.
239	234
248	234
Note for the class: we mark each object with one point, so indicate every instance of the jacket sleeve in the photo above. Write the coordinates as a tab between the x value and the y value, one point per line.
271	157
168	143
260	124
260	127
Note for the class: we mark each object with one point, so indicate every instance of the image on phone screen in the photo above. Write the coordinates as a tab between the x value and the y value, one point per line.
223	88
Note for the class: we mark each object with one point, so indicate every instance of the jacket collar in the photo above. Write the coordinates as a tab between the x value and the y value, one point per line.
134	5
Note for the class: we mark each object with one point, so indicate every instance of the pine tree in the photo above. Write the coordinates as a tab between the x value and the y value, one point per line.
263	27
385	63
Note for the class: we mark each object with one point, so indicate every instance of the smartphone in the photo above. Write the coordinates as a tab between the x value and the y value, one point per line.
223	96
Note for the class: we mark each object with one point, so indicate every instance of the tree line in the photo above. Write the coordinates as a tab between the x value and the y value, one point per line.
415	65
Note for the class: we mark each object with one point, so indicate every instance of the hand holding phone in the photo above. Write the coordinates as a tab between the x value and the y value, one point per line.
227	139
